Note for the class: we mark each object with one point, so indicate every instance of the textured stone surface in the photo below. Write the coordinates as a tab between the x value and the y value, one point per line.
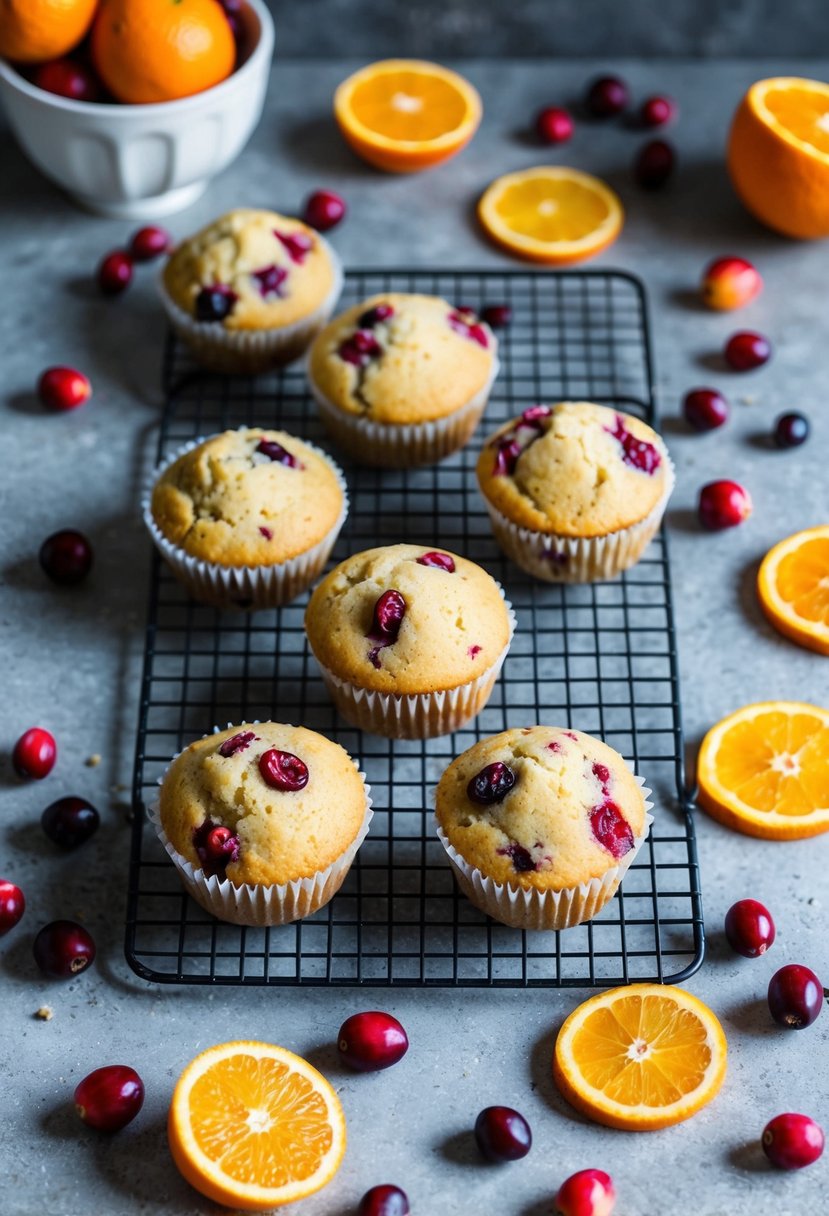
71	662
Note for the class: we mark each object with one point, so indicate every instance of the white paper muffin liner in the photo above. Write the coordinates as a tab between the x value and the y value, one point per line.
249	351
416	715
407	444
580	559
521	908
247	587
253	904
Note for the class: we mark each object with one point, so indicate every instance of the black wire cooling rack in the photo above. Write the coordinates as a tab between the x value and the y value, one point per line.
601	658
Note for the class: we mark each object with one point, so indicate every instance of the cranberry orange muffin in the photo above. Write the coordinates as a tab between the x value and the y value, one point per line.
540	825
410	639
247	518
262	821
575	491
250	290
403	379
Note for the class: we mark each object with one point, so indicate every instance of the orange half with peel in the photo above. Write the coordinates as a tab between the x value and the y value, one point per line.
793	586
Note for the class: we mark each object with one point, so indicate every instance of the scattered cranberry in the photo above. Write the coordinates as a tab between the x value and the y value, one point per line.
638	453
66	78
497	316
441	561
587	1193
370	1041
70	821
384	1200
790	430
215	303
705	409
297	244
275	452
115	272
324	210
723	504
749	928
654	164
746	350
12	905
606	96
216	846
729	283
502	1134
792	1142
375	316
491	784
283	770
236	743
388	614
63	949
109	1098
63	388
656	111
554	125
795	996
66	557
35	753
149	243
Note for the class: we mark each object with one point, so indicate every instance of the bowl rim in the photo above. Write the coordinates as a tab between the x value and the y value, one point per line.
117	110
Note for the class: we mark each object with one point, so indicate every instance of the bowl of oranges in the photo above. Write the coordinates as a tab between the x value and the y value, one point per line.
132	106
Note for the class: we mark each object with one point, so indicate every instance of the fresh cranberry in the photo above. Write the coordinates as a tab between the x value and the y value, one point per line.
375	316
611	829
520	857
109	1098
35	753
795	996
269	280
749	928
705	409
654	164
442	561
792	1142
587	1193
638	453
746	350
368	1042
70	821
215	303
216	846
723	504
656	111
275	452
602	773
502	1134
606	96
506	457
729	283
283	770
115	272
66	557
66	78
298	244
12	905
150	243
384	1200
63	388
491	784
360	348
236	743
63	949
497	316
389	612
554	125
323	210
790	430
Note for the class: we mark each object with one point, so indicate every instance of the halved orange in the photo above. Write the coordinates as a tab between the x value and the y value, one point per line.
793	586
406	114
551	214
764	770
640	1058
254	1126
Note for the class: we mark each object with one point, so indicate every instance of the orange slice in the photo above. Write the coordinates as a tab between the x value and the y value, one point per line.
793	585
551	214
405	114
253	1126
640	1058
764	770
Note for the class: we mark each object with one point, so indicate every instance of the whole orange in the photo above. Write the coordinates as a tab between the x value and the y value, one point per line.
32	31
157	50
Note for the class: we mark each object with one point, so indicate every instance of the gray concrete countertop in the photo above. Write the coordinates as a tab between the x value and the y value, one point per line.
70	662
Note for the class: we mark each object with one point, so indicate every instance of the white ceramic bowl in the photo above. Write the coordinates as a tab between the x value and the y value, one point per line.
143	161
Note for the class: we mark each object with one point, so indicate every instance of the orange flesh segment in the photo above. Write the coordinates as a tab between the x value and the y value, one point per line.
408	106
803	112
803	580
777	762
552	210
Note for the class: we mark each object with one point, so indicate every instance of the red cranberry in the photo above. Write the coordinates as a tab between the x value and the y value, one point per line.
215	303
729	283
70	821
790	430
792	1142
795	996
63	949
502	1134
35	753
375	316
283	770
115	272
149	243
491	784
298	244
360	348
266	532
497	316
656	111
723	504
12	905
384	1200
611	829
110	1098
554	125
275	452
606	96
216	846
236	743
654	164
66	557
370	1041
746	350
749	928
389	612
506	457
269	280
705	409
324	210
442	561
62	388
462	320
66	78
638	453
520	857
587	1193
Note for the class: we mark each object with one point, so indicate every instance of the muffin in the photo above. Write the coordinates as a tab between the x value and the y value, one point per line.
262	821
410	640
247	518
540	825
575	491
250	290
403	379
